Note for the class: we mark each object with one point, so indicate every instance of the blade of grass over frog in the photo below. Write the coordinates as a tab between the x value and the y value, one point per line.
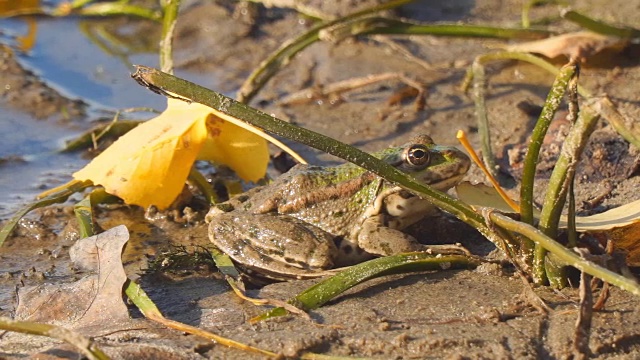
562	175
324	291
85	345
172	86
569	257
140	299
551	105
386	26
281	57
57	197
599	26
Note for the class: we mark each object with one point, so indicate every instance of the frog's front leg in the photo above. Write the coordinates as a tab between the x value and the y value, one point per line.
376	238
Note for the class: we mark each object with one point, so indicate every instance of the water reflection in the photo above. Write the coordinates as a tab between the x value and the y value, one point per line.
59	76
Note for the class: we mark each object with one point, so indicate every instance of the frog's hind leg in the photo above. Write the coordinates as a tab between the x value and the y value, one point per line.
279	247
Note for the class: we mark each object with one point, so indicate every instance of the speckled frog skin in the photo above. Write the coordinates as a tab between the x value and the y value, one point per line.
316	218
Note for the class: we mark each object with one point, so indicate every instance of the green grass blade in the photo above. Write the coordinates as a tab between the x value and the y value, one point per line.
324	291
551	105
84	215
479	87
599	26
562	175
281	57
58	197
173	86
378	26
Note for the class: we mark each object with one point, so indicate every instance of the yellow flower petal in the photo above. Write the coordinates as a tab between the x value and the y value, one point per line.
149	164
243	151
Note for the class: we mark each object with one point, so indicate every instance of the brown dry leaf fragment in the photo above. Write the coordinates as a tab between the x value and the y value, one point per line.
626	238
576	45
94	301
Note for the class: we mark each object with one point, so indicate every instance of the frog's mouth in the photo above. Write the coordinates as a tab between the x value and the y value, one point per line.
448	179
445	184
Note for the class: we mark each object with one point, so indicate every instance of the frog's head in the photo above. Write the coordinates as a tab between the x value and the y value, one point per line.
441	167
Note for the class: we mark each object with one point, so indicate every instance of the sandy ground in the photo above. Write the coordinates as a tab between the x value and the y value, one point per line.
485	313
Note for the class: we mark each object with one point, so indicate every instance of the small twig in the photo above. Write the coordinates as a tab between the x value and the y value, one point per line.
340	87
583	323
402	50
534	299
603	297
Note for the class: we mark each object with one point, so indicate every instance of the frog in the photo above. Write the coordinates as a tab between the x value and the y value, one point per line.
313	218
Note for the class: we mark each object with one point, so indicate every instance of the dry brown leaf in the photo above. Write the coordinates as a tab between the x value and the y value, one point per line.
576	45
94	301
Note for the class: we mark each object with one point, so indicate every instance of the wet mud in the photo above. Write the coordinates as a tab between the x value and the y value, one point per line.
486	313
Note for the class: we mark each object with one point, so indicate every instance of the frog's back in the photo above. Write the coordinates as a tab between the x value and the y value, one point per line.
332	198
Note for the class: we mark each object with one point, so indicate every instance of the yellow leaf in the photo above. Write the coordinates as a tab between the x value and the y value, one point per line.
242	151
14	8
150	164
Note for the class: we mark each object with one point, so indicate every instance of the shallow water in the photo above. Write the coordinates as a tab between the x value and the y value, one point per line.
67	60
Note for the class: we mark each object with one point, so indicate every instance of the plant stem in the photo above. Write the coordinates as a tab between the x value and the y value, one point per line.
551	105
565	255
599	26
170	9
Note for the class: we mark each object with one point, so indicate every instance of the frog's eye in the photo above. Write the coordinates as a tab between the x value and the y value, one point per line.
418	155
